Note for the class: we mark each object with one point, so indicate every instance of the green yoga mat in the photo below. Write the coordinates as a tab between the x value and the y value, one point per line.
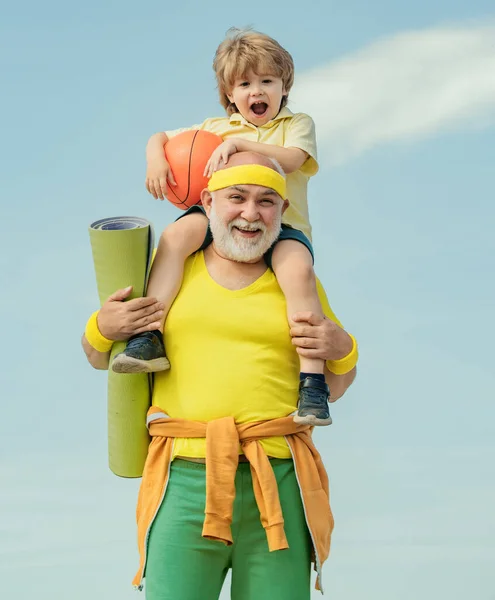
122	253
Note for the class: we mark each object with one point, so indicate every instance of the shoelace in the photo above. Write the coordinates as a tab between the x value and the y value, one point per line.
138	341
314	395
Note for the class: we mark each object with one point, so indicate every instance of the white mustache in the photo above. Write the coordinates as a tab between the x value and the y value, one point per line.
242	224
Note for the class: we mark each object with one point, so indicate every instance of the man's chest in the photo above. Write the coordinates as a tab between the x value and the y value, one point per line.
257	318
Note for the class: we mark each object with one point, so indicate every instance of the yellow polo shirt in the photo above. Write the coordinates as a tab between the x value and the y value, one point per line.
287	130
231	355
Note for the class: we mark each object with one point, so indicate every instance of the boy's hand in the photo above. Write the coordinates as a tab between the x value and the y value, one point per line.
157	174
220	154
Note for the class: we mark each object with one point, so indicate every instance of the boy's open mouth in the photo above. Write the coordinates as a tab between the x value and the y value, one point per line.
259	108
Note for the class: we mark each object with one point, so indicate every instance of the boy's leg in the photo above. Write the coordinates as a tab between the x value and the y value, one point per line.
181	564
178	241
292	263
257	573
145	353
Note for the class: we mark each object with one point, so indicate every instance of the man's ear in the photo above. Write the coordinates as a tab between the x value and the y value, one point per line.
285	206
206	201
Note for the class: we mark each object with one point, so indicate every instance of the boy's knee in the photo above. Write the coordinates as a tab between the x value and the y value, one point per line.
296	256
174	233
188	230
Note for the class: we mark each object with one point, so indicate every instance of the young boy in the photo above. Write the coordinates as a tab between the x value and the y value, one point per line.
254	75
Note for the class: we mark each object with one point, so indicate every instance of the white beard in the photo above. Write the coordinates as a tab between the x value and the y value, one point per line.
240	249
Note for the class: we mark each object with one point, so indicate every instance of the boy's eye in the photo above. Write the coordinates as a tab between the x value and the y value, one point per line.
267	80
244	84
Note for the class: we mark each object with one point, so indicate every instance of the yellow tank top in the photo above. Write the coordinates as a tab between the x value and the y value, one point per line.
230	354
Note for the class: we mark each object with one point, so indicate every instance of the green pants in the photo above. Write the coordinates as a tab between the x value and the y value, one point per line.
182	565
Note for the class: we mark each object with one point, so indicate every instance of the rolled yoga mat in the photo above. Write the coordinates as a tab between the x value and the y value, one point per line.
122	254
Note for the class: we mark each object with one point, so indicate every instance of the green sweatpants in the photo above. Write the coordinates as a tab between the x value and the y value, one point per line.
182	565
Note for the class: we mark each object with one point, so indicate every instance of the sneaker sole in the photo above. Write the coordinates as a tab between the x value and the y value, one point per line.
312	420
127	364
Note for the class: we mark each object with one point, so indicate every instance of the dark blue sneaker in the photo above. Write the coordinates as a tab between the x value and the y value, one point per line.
313	403
144	353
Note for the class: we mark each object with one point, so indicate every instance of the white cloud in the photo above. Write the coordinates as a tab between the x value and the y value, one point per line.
405	87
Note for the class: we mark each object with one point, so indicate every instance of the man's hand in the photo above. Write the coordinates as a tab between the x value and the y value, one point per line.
317	337
157	174
219	155
118	320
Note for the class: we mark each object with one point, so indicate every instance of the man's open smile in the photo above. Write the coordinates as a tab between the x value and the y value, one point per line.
247	232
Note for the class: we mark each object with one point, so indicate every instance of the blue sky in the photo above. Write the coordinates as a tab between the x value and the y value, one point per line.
404	99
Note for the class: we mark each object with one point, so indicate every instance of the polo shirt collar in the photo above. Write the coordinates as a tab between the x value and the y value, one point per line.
285	113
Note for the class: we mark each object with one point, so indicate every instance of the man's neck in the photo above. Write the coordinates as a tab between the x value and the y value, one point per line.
231	274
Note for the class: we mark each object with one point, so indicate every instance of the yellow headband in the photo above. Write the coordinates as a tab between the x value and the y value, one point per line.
248	174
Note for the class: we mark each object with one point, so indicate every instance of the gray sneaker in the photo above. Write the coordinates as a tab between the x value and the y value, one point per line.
144	353
313	403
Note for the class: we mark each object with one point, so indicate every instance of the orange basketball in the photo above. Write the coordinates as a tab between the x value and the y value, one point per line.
187	154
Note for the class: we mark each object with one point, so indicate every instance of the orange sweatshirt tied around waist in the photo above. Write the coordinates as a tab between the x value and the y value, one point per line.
223	437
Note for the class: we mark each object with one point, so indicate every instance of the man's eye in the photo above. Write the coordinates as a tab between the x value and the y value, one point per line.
236	197
267	201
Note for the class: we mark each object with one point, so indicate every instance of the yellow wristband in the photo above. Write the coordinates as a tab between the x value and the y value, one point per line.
94	337
345	364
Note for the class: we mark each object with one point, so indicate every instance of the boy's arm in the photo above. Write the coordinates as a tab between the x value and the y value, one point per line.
290	159
299	147
158	171
298	151
154	147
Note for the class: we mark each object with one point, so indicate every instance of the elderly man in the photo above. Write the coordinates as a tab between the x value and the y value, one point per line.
231	481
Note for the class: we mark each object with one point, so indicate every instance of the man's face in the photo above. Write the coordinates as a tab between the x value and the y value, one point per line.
245	221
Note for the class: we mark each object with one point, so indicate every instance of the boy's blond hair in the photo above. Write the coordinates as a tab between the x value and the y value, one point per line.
248	50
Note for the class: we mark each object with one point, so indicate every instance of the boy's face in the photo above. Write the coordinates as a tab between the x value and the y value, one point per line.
257	97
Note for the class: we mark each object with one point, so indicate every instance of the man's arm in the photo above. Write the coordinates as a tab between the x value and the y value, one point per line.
339	384
98	360
326	340
118	321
